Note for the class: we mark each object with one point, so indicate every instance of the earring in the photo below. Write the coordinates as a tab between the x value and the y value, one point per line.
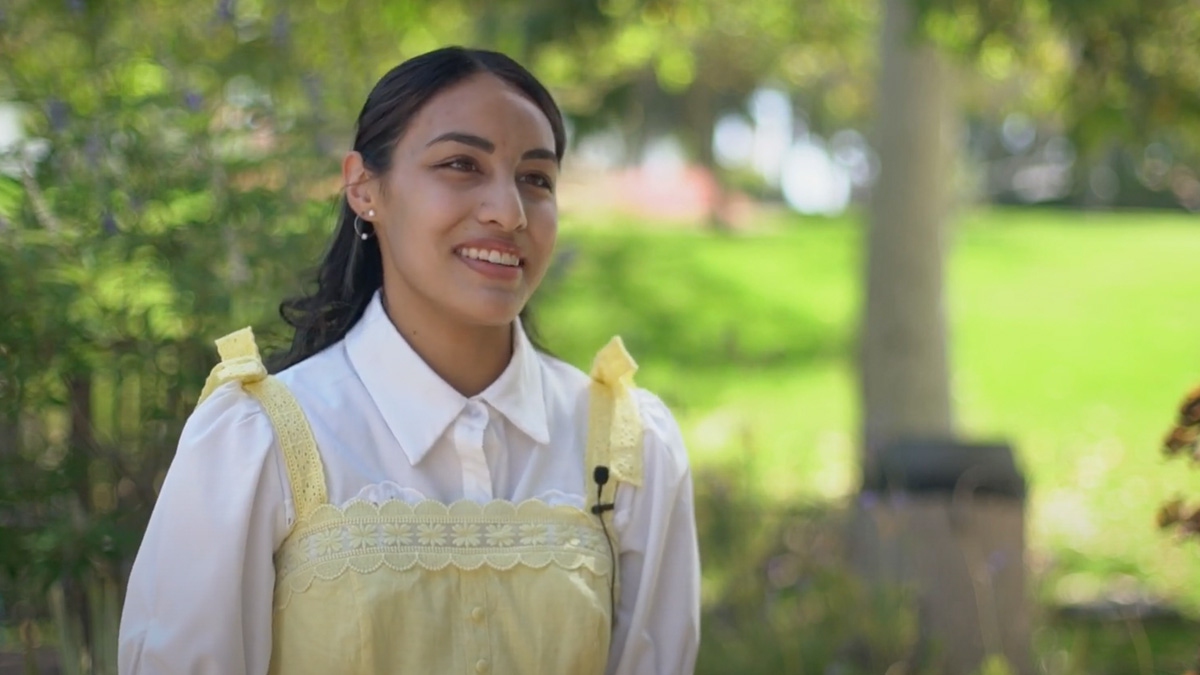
359	228
370	213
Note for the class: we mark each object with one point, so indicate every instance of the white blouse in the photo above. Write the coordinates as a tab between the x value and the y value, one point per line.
200	593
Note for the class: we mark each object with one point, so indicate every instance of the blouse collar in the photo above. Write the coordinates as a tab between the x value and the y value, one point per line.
418	405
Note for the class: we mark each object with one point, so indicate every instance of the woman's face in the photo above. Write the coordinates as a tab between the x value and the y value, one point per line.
466	216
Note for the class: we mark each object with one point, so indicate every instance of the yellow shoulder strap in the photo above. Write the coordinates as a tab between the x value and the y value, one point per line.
240	361
614	426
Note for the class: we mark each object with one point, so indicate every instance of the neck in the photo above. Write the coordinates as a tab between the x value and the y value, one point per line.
468	357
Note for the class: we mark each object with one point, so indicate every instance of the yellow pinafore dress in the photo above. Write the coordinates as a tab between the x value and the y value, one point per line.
434	588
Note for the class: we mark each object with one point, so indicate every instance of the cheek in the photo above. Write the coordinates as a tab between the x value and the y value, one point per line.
426	212
543	223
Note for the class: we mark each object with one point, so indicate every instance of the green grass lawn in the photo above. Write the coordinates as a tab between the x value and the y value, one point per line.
1073	335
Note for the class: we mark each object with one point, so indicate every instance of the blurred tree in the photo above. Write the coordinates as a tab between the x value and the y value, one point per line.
654	68
1134	76
168	156
1117	77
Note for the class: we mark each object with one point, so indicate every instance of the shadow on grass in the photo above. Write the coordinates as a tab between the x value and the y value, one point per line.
667	303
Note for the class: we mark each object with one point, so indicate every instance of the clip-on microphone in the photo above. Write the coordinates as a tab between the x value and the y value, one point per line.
600	475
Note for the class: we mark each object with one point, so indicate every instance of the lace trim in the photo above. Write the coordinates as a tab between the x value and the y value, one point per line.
501	535
378	493
240	361
299	448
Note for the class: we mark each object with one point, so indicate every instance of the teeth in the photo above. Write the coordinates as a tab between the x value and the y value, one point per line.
495	257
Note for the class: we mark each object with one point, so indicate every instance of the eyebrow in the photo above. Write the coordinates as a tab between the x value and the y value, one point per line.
488	146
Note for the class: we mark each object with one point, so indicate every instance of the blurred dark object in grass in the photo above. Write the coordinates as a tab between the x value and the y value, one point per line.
946	518
780	598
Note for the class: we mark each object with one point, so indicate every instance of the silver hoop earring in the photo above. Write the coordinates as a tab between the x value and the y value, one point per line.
360	229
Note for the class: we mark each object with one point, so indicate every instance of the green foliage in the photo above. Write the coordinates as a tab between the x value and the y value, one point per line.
1120	70
995	665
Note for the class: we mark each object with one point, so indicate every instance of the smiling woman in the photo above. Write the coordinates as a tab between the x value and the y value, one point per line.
419	488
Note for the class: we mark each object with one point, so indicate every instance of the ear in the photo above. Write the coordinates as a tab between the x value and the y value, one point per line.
361	190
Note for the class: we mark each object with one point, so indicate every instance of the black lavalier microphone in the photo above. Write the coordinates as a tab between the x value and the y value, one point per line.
600	475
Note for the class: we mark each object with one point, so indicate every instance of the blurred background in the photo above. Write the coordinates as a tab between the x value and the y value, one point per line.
821	228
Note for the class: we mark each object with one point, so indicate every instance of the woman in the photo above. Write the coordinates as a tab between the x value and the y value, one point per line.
420	489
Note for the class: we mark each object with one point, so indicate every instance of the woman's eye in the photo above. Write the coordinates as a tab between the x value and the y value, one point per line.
539	180
460	164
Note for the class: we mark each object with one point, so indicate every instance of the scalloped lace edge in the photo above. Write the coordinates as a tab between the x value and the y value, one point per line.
301	579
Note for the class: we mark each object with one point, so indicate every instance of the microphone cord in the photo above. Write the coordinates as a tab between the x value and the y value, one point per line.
600	475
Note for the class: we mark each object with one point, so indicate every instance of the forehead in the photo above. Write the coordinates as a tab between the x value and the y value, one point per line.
483	105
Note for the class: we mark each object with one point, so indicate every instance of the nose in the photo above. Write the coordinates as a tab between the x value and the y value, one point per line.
502	206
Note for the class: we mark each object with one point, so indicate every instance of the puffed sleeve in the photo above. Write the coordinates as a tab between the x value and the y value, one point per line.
657	628
200	593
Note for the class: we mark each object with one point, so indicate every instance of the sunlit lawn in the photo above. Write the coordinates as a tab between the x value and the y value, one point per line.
1074	335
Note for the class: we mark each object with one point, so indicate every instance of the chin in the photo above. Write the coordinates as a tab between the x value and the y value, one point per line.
492	314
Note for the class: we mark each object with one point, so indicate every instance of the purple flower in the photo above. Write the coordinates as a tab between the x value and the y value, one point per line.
280	28
996	561
312	88
867	499
192	100
108	223
92	149
57	112
225	9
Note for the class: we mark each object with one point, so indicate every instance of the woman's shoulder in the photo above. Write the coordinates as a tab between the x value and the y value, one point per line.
227	400
662	439
232	397
227	412
613	367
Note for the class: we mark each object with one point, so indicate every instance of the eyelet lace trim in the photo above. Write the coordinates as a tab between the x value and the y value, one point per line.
614	426
364	537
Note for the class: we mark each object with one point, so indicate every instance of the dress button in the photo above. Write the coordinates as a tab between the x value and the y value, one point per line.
477	614
482	666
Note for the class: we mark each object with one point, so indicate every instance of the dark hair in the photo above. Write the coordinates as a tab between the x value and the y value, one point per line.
352	270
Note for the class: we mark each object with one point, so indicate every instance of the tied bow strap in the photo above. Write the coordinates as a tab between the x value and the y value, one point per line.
240	361
615	436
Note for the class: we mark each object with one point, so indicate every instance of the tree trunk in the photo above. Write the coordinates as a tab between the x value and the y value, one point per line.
904	378
952	528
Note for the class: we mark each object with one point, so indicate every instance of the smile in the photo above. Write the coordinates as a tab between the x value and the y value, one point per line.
490	255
